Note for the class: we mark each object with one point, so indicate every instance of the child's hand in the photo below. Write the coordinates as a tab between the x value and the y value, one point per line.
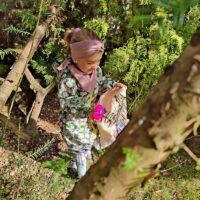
120	85
116	89
106	101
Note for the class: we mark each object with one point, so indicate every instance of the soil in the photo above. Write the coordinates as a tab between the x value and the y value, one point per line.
48	130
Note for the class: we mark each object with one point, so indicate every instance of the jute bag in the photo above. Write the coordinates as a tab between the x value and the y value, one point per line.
114	121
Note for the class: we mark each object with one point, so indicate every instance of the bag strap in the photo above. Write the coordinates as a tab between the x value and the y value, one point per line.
90	120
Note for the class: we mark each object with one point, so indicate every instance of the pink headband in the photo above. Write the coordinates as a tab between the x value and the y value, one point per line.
85	48
76	30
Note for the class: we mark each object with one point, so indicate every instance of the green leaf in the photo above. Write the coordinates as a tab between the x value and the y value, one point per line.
131	160
47	164
12	29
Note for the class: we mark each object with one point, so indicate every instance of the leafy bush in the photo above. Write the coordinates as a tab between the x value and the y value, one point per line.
142	38
142	60
100	26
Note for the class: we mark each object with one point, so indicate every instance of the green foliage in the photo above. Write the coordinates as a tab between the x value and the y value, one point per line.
192	22
12	29
178	8
145	36
145	2
56	30
139	21
58	166
28	19
141	61
41	149
41	67
5	52
100	26
132	159
103	6
51	52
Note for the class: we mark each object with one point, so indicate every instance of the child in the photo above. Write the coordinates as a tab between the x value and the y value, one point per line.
80	81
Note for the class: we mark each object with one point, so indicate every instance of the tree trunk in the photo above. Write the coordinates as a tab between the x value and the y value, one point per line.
156	129
15	74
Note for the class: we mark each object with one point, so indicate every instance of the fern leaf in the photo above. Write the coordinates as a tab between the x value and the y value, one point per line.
4	52
42	149
12	29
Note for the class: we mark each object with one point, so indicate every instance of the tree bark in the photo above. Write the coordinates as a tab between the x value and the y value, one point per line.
156	129
15	74
40	96
33	115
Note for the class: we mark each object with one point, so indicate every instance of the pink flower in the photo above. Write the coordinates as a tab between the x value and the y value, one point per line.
98	113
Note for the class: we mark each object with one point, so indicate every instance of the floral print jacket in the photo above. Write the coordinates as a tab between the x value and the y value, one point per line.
75	106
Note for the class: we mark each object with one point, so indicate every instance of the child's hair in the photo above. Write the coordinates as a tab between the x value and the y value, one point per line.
74	35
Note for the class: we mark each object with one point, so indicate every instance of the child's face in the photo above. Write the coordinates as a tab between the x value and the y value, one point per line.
88	65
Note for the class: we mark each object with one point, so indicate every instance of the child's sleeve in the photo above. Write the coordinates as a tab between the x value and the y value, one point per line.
105	83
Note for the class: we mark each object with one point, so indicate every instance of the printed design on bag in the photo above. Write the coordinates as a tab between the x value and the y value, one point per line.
114	121
118	116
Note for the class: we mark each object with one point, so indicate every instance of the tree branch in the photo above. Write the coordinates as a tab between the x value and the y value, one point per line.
27	53
33	82
190	153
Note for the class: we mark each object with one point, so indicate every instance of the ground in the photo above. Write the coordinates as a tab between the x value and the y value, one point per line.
22	178
48	128
178	179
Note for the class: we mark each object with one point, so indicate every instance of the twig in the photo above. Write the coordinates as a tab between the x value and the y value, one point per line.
166	170
194	136
190	153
